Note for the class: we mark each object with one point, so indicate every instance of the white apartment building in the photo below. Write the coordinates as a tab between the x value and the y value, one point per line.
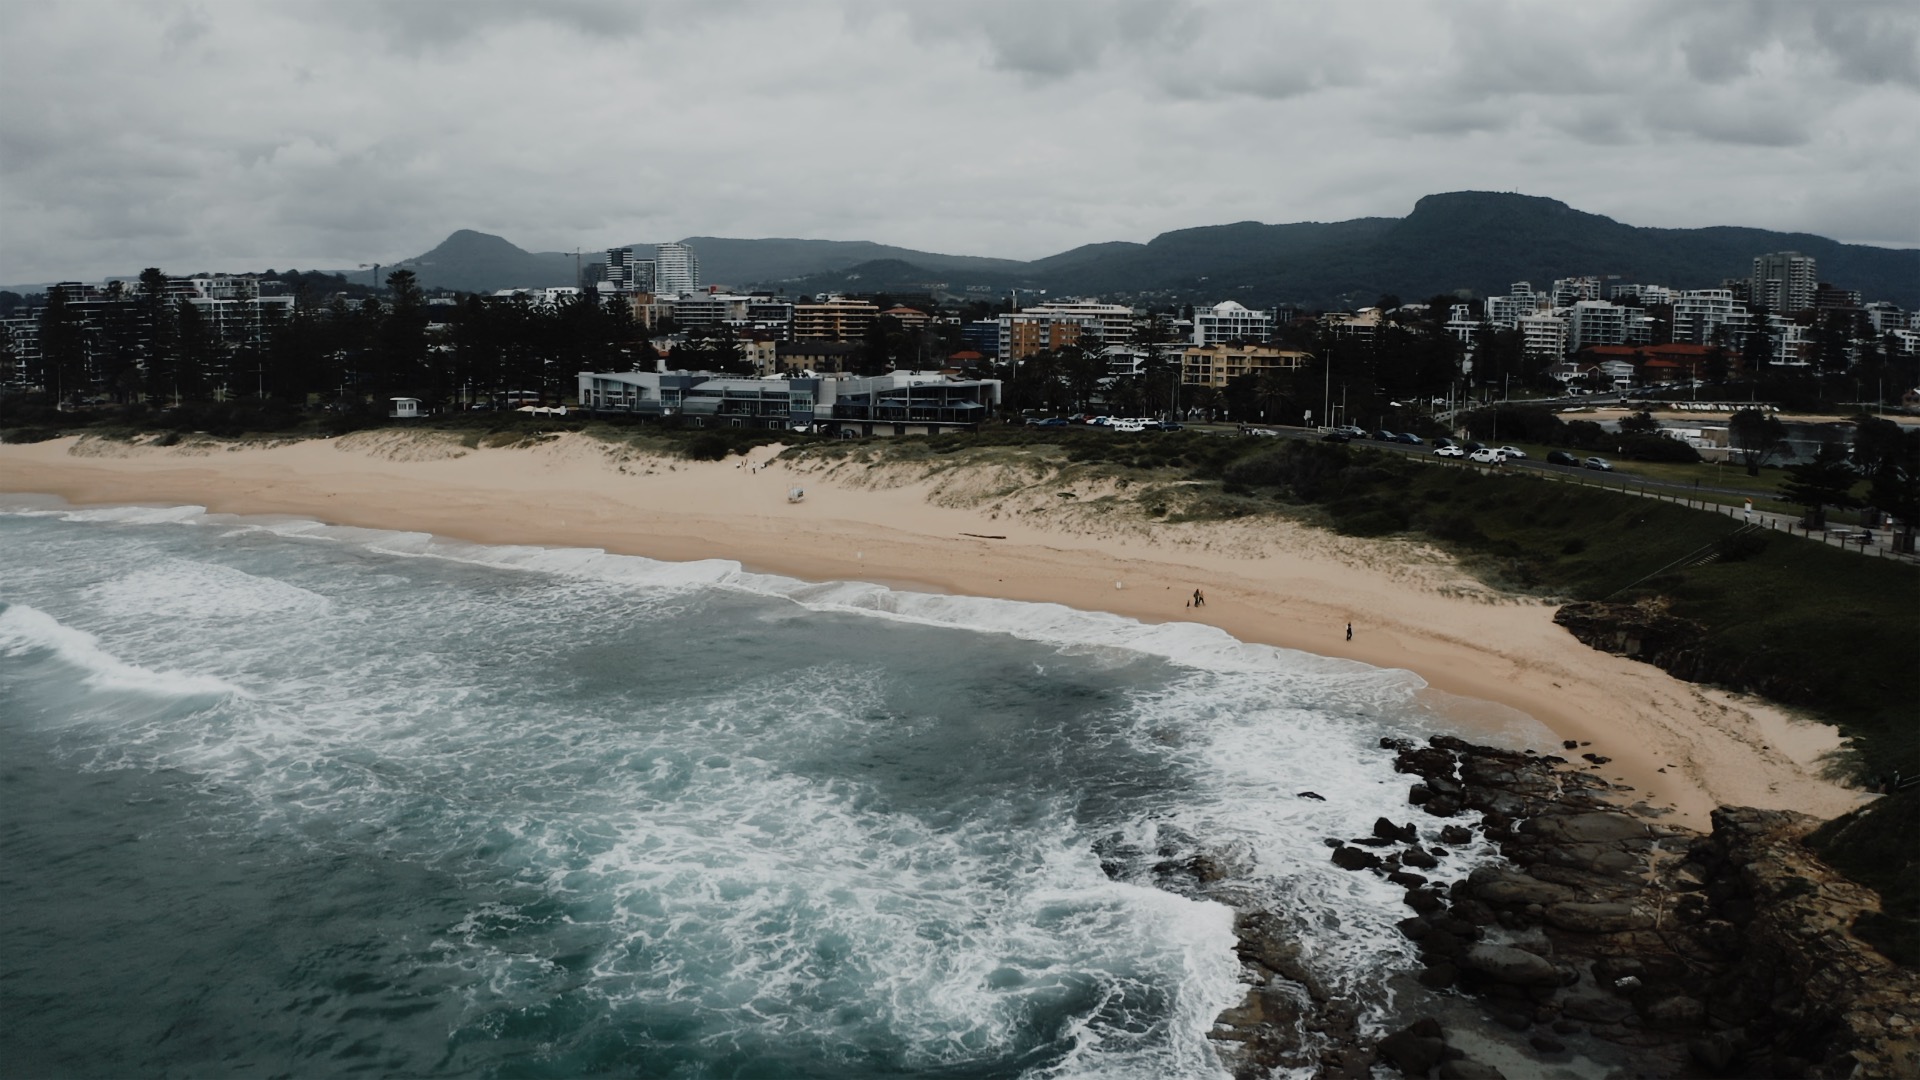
1697	313
1505	312
1230	321
1570	291
1598	322
1648	295
1461	323
676	270
1544	337
1113	322
1783	281
549	297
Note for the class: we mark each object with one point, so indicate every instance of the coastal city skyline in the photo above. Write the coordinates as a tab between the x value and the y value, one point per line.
237	138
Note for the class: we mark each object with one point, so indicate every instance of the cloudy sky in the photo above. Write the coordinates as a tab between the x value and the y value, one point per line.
218	135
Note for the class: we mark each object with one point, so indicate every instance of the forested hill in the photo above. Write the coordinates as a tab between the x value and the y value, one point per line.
1467	240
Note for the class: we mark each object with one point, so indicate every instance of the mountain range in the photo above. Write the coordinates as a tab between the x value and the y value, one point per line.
1475	242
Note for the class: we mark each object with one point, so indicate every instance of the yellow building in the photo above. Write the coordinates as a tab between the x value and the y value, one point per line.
834	319
1214	365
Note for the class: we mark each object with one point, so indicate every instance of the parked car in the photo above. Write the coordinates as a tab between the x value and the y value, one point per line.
1449	452
1561	457
1051	421
1336	436
1444	441
1409	438
1472	446
1514	453
1487	455
1598	463
1384	436
1351	432
1169	425
1127	424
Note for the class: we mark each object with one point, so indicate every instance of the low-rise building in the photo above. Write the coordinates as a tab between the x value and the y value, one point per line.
1216	365
899	403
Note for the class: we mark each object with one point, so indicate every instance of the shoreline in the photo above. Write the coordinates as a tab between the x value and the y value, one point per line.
1266	582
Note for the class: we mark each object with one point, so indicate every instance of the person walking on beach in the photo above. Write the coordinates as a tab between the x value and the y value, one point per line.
1198	599
1349	631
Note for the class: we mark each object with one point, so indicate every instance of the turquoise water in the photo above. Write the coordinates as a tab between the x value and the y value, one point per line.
284	798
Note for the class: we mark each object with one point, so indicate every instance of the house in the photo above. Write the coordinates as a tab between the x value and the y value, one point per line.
405	408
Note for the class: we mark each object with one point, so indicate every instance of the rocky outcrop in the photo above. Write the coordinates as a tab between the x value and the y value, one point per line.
1725	954
1645	631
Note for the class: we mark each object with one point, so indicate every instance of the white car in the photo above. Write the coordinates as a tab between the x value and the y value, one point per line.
1127	424
1487	455
1449	451
1513	453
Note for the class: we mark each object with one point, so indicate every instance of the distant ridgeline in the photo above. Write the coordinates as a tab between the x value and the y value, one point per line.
1472	240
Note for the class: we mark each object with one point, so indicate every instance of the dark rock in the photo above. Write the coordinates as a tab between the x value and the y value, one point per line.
1411	881
1371	841
1424	901
1506	964
1442	805
1419	793
1416	857
1596	826
1566	1027
1439	976
1597	759
1675	1012
1439	943
1350	858
1427	1028
1413	1054
1569	744
1547	1045
1414	928
1387	830
1611	969
1496	886
1331	842
1512	1018
1596	918
1314	795
1469	1069
1455	835
1594	1008
1720	1050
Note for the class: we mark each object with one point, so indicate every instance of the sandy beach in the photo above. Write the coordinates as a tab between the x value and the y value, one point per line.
985	533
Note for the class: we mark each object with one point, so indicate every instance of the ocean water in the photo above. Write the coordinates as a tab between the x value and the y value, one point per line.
282	798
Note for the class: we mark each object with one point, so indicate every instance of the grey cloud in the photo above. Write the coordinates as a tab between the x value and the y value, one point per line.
1871	43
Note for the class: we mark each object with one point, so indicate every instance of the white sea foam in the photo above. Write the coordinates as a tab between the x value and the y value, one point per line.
735	883
186	589
24	630
1195	644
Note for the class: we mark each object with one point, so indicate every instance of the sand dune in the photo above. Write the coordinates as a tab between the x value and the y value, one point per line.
1005	530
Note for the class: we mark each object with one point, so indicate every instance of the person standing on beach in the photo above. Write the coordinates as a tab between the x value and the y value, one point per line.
1198	599
1349	631
1749	509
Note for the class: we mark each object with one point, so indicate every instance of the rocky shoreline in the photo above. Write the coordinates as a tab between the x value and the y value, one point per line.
1608	943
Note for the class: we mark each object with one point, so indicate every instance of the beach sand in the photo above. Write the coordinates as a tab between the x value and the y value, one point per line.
979	533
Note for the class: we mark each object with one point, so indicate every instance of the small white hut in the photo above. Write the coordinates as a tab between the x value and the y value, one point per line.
404	408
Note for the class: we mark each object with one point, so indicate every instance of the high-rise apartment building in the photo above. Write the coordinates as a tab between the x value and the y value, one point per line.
626	274
834	318
1783	281
676	270
1230	322
1697	313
